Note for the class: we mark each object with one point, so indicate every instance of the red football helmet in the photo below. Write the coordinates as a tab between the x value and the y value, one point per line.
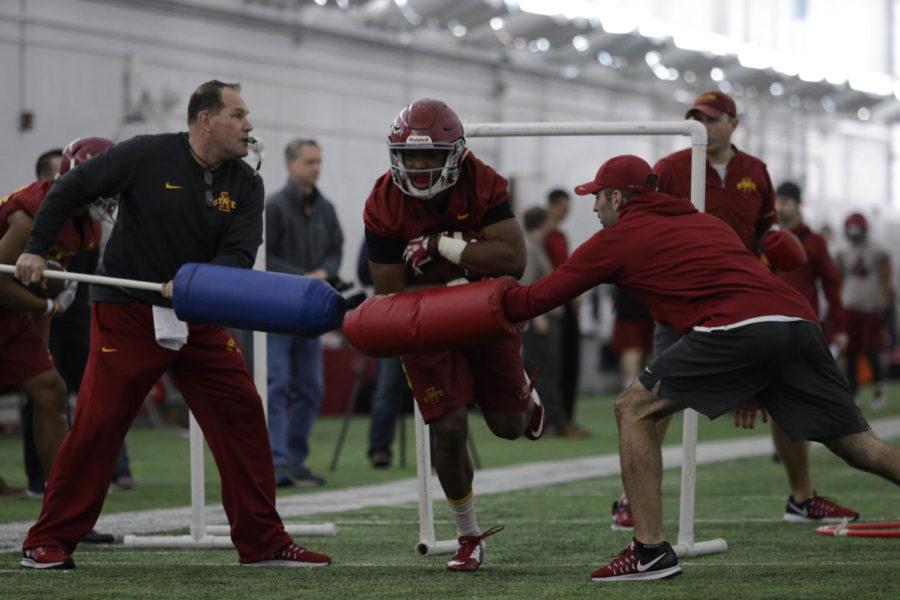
76	153
82	149
856	226
426	125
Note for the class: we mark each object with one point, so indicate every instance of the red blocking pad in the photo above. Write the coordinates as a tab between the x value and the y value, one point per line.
434	319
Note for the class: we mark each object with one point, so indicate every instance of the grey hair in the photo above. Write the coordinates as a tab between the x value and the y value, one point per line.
292	150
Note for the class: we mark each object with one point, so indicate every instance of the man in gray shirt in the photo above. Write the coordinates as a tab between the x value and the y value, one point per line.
303	237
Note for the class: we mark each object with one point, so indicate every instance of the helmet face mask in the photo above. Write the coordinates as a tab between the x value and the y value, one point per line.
425	183
423	127
103	210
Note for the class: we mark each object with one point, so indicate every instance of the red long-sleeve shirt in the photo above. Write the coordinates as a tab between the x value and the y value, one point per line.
690	269
745	200
819	266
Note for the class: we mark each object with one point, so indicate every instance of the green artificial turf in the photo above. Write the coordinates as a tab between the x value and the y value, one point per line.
554	537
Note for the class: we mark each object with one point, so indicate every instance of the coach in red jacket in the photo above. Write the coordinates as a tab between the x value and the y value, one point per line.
749	341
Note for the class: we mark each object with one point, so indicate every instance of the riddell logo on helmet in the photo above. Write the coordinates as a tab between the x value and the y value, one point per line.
419	139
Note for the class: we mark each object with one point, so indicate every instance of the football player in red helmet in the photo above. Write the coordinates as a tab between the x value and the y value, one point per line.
868	296
25	312
427	146
78	151
422	215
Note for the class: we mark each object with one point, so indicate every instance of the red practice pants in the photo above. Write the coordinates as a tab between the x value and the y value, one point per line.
124	363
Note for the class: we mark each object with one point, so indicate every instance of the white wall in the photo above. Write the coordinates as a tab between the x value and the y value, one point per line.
345	94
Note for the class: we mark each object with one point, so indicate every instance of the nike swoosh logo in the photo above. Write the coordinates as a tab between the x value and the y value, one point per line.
462	217
105	349
641	567
800	510
172	186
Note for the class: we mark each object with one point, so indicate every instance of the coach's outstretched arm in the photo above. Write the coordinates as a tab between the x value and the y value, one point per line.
591	264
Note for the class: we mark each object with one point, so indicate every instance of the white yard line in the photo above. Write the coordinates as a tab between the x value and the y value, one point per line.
404	491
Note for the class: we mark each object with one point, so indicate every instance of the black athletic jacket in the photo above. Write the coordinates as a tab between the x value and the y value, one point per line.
167	215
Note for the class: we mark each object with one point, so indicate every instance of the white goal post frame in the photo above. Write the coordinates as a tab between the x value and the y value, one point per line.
685	546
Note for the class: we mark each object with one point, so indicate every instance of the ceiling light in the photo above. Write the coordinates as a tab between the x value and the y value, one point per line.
581	43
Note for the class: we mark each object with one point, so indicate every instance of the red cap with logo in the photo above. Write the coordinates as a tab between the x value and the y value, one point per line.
713	104
627	172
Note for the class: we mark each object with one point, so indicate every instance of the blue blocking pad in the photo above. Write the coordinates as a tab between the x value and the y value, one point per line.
258	300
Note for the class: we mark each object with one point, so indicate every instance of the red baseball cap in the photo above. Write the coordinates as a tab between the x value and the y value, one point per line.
627	172
713	103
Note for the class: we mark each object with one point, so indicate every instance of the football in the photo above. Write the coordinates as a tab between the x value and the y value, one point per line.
441	270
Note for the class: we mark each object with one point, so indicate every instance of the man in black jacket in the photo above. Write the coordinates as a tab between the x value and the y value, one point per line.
184	197
303	237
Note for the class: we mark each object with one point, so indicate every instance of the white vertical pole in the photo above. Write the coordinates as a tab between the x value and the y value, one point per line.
689	433
198	481
260	355
423	481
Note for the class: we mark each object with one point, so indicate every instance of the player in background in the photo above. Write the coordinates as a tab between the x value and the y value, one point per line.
867	294
25	312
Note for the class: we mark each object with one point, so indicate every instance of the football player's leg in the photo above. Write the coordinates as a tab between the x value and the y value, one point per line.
795	456
866	452
47	392
503	391
451	454
637	411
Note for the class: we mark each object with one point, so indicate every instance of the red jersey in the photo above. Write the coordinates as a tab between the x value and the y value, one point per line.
819	266
688	268
557	247
745	200
76	235
391	213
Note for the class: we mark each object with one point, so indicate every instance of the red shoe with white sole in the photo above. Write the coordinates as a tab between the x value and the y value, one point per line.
470	553
818	509
622	519
293	555
535	428
46	557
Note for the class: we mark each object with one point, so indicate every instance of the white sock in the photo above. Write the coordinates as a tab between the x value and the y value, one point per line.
464	513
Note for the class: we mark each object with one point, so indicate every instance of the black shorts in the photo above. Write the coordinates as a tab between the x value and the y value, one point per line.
785	366
664	336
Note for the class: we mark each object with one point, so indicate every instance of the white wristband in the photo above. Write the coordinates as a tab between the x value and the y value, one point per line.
451	248
50	307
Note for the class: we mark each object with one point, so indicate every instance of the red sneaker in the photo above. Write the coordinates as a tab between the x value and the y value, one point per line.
634	564
535	428
46	557
292	555
622	519
470	553
817	509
